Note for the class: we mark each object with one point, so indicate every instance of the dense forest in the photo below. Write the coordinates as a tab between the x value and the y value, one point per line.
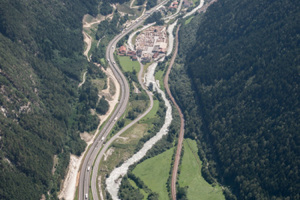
155	17
42	110
151	4
237	80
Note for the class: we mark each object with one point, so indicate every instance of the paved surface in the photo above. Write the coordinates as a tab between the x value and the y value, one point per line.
180	137
91	155
195	9
108	143
168	18
85	173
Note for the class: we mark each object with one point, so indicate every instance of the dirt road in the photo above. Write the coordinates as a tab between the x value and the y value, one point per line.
180	137
83	80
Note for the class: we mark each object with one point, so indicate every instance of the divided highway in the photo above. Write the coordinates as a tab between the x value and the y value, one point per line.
91	155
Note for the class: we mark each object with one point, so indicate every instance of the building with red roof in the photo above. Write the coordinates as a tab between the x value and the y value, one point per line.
122	50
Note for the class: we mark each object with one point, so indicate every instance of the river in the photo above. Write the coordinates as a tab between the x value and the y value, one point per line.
171	37
114	180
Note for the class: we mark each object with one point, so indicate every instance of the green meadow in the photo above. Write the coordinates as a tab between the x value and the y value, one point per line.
154	172
128	65
190	175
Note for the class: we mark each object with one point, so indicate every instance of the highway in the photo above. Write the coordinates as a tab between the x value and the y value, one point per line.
91	155
107	145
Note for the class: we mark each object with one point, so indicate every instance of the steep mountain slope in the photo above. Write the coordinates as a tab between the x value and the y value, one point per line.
243	66
41	63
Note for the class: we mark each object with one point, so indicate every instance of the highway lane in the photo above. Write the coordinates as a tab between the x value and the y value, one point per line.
107	145
94	185
91	155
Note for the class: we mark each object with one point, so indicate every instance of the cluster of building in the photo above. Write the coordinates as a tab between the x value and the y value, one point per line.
152	43
186	4
124	52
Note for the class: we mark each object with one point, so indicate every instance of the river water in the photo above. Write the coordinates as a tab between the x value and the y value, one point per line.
171	37
114	180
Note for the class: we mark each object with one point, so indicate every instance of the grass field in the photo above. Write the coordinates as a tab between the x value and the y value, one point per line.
128	65
196	2
190	175
134	39
103	62
136	187
153	111
189	20
154	172
124	147
99	83
125	8
160	76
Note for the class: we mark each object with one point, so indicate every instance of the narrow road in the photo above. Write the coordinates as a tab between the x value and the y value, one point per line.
195	9
88	41
85	182
83	80
85	173
144	5
176	13
180	137
116	136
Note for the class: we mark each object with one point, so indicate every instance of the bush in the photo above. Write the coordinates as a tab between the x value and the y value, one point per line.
102	106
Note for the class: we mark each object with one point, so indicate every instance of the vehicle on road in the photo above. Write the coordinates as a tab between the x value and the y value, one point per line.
84	183
102	139
88	169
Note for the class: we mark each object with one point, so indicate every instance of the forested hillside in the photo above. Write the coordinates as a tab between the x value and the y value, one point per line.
41	109
241	95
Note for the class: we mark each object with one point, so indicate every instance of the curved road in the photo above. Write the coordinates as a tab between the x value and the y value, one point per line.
107	145
91	155
195	9
176	13
84	181
180	137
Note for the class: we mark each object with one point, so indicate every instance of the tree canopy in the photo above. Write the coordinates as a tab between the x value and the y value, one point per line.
242	66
